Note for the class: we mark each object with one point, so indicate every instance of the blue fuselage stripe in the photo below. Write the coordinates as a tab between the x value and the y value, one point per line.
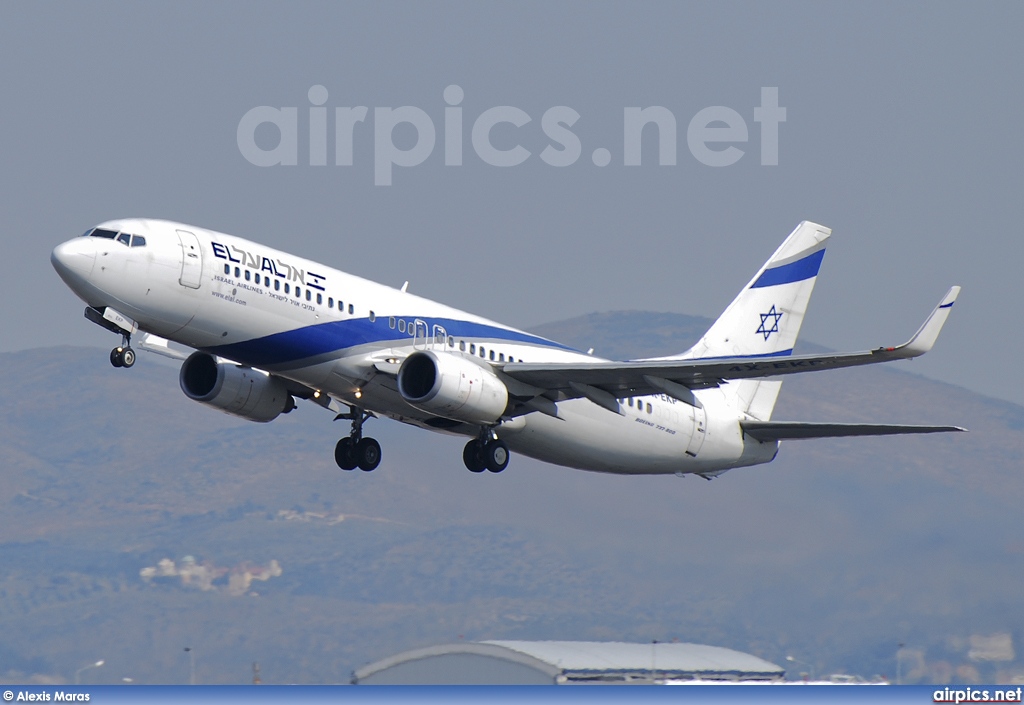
777	353
311	341
793	272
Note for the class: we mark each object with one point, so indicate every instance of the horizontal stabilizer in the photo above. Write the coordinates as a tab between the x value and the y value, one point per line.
794	430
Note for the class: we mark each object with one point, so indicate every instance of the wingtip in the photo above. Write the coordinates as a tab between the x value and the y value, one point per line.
950	298
929	331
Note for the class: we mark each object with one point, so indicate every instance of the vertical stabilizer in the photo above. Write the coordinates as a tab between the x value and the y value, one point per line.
765	318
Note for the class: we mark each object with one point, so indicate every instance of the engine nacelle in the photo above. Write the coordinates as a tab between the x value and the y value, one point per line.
233	389
452	386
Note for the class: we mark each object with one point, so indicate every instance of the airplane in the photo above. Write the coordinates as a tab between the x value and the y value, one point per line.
266	328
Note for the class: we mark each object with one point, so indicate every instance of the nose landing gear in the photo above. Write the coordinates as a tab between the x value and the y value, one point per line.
123	355
115	322
355	450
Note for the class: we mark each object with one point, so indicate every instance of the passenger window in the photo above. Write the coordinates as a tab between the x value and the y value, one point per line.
277	285
648	407
247	275
492	355
483	352
462	345
391	322
319	299
298	292
309	295
501	357
227	269
238	272
401	325
373	317
330	302
266	281
138	241
451	342
472	348
351	308
287	286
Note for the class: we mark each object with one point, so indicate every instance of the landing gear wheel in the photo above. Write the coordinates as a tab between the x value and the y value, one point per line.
472	457
345	454
496	456
127	357
368	454
122	357
355	450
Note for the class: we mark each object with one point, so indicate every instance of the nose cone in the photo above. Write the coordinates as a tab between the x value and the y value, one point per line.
74	261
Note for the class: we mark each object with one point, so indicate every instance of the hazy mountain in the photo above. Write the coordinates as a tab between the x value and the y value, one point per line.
835	553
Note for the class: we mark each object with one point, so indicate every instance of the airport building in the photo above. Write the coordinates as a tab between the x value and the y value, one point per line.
566	662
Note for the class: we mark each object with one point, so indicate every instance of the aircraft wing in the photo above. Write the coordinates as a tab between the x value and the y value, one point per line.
605	381
162	346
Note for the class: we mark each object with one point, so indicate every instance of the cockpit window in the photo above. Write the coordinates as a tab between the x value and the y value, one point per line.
138	241
87	233
109	234
125	238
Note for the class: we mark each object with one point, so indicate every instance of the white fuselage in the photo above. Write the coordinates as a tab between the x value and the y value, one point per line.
338	334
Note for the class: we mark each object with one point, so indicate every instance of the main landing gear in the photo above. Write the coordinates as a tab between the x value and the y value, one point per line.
486	453
123	355
355	450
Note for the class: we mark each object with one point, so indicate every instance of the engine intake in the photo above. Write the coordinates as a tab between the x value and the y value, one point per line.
233	389
452	386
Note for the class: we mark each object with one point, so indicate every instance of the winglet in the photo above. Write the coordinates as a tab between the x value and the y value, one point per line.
928	333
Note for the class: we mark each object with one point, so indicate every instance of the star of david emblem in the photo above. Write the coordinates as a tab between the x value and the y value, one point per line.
767	329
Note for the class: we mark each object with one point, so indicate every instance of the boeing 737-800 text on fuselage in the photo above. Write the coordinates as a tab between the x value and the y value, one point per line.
268	327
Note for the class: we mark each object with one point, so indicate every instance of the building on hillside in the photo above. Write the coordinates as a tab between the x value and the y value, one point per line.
565	662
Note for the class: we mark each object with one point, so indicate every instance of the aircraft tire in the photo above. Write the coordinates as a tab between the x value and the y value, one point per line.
472	457
496	456
368	454
115	358
345	454
127	357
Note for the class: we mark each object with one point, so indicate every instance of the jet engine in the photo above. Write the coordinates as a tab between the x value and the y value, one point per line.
234	389
452	386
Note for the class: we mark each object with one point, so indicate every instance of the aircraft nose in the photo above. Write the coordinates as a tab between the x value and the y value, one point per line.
74	260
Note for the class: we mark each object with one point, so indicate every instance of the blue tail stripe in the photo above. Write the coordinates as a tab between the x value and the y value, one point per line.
793	272
310	341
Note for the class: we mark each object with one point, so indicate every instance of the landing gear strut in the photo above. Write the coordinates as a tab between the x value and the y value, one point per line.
123	355
486	453
355	450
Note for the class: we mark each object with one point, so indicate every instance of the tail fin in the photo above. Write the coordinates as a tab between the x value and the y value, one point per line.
765	318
